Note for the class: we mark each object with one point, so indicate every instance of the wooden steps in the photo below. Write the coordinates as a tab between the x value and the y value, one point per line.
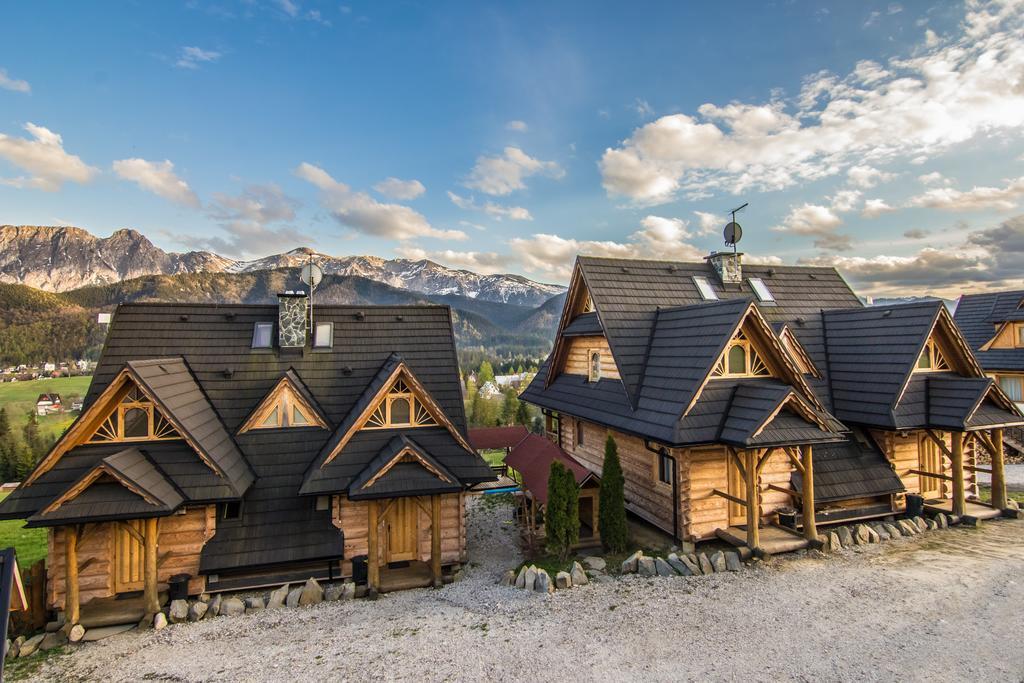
416	575
101	612
774	540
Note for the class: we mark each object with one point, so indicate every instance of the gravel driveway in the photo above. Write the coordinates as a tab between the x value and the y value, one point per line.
941	606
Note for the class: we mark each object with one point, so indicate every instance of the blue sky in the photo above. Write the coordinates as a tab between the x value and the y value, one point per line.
883	138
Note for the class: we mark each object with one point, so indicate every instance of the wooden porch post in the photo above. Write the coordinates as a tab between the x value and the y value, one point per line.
998	472
71	613
810	524
753	502
151	597
959	498
435	539
372	560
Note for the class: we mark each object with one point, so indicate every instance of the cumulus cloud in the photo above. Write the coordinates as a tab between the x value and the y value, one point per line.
977	198
934	178
157	177
361	212
396	188
8	83
496	211
192	57
709	223
907	109
252	222
820	222
873	208
867	176
503	174
482	262
517	126
916	234
845	200
43	157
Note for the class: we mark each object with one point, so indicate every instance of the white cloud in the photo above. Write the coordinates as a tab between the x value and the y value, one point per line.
873	208
288	7
192	57
482	262
845	200
498	211
642	108
872	18
44	158
157	177
977	198
934	178
709	223
931	39
867	177
944	95
916	234
396	188
361	212
517	126
820	222
502	175
249	221
8	83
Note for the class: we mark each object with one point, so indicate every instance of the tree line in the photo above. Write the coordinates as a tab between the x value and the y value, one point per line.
19	455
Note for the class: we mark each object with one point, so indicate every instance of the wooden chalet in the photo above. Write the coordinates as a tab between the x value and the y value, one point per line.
993	325
741	396
247	446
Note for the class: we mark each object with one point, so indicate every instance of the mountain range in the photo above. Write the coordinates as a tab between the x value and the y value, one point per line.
59	259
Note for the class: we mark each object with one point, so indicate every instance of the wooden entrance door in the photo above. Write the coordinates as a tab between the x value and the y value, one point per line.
929	460
401	531
129	556
738	488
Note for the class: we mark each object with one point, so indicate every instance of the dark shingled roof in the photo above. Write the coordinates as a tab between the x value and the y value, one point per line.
402	478
211	380
855	468
751	407
583	325
979	315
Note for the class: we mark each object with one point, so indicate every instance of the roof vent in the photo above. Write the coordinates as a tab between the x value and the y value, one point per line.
346	370
399	317
360	315
227	372
771	272
812	276
887	313
230	315
183	317
800	321
625	269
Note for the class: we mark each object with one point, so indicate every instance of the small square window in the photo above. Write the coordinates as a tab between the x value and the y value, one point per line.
764	295
230	510
579	433
262	335
707	292
323	503
323	336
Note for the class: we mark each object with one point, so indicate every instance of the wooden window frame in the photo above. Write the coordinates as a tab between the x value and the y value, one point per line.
592	375
419	415
664	470
112	425
222	509
283	406
758	369
1018	335
579	437
256	327
330	335
936	359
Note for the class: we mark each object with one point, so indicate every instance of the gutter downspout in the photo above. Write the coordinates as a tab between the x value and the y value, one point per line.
660	451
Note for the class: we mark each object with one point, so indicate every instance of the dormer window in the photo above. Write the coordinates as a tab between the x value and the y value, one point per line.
134	419
707	292
400	408
1019	329
262	335
283	407
764	295
931	359
741	359
594	373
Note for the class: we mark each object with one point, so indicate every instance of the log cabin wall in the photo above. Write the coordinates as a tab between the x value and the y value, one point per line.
646	496
181	539
577	357
705	469
902	449
351	517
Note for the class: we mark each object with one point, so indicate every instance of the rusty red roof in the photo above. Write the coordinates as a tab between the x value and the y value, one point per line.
491	438
532	458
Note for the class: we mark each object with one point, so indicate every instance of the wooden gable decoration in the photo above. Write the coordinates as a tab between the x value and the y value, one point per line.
577	302
798	354
741	359
408	454
133	417
380	412
283	407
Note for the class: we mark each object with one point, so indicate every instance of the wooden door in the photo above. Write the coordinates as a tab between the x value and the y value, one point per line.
401	532
929	460
129	556
738	488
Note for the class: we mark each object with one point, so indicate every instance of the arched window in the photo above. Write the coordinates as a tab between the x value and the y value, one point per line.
400	408
741	359
737	364
134	418
595	365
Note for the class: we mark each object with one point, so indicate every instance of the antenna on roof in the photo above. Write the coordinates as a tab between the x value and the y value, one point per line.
733	233
311	275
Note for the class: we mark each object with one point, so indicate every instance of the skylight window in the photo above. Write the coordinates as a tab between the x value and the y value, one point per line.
323	337
764	295
704	287
262	335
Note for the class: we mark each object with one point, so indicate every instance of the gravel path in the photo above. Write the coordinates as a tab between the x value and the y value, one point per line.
941	606
1014	474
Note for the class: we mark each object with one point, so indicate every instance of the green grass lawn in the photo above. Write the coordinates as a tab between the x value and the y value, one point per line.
19	398
29	544
985	493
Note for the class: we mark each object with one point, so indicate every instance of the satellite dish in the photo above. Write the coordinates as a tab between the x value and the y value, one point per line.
733	233
312	274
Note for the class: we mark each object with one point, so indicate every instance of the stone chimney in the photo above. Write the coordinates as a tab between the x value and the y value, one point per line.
291	319
728	265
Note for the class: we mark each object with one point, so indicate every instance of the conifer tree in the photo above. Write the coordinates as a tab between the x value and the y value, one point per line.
561	514
612	506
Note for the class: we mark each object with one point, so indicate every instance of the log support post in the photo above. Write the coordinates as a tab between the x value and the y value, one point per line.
150	595
998	471
71	600
435	539
810	524
373	546
753	499
959	496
